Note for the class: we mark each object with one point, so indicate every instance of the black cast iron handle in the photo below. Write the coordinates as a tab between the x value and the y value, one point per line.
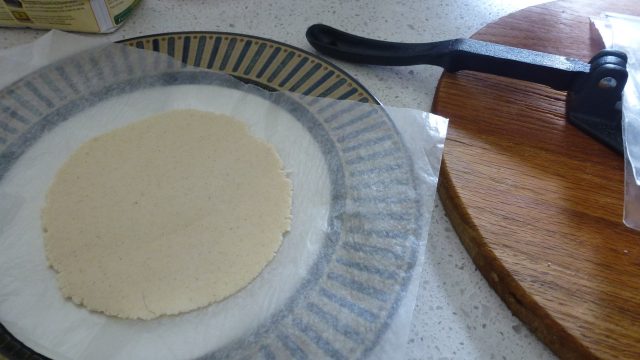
558	72
594	89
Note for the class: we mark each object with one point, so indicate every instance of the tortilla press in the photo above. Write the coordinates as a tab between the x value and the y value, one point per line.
594	89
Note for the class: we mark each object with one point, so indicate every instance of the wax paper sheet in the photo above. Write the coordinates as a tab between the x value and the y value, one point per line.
620	32
283	313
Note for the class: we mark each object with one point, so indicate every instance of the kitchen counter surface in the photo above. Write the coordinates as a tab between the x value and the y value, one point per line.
457	315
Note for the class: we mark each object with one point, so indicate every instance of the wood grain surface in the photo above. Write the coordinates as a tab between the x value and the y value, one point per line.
537	203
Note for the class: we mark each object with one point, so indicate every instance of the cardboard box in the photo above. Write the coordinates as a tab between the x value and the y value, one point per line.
95	16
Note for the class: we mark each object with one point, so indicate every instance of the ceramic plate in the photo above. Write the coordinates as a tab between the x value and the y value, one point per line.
346	300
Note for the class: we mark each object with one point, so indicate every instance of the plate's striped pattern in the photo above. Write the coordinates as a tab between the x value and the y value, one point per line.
268	63
347	300
26	103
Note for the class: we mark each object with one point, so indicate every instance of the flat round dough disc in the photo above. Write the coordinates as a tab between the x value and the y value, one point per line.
165	215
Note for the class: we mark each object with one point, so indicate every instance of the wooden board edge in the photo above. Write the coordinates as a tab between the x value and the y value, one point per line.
523	306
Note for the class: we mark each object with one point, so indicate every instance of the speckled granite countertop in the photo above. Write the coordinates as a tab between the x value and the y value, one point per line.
457	315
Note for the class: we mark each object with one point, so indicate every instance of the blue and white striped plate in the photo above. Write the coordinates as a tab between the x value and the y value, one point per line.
348	299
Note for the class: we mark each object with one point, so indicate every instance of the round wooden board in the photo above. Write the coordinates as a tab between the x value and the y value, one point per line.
537	203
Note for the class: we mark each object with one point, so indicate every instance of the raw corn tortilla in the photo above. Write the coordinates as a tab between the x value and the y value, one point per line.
166	215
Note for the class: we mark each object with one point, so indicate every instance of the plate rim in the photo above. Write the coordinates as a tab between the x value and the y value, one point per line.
346	75
261	38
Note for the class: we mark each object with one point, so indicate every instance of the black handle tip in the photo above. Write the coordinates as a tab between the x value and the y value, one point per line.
320	36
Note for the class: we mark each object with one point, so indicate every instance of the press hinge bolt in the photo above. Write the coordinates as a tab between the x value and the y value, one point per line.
607	83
